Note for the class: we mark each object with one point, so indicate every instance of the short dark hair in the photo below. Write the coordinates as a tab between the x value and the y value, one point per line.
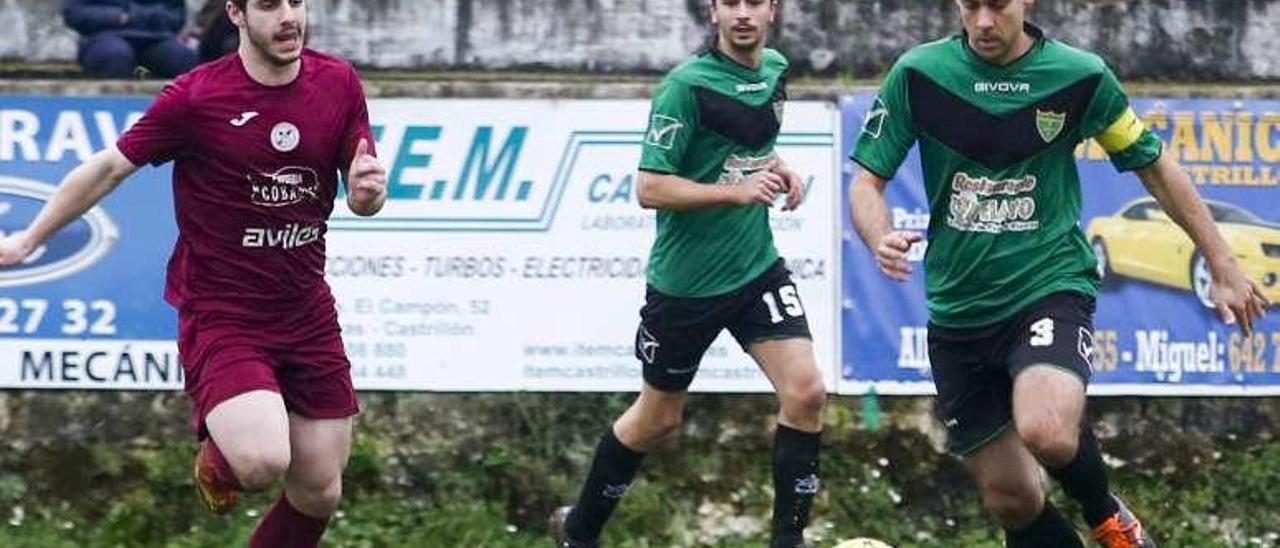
242	4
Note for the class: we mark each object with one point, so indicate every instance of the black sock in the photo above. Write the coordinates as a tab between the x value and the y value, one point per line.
1049	530
612	470
795	482
1085	481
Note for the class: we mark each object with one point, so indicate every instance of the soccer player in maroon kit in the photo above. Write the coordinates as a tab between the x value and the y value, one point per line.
258	139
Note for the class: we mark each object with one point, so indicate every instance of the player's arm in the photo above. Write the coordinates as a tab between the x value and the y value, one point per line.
79	191
667	191
1237	297
870	212
1131	145
887	134
366	178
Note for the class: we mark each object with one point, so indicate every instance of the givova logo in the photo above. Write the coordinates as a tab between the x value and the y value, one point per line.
873	121
663	131
77	246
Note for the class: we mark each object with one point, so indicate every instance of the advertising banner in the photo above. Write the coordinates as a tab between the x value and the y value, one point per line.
1155	331
512	251
510	255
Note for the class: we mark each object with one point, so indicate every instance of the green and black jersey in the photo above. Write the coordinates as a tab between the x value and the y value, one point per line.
997	149
713	121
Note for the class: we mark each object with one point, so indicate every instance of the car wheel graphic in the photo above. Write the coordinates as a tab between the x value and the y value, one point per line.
1201	279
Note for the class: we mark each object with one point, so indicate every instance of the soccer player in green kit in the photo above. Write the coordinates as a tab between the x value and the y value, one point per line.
708	166
1010	278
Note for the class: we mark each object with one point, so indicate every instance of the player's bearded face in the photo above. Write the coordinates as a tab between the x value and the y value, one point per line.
742	24
277	29
993	26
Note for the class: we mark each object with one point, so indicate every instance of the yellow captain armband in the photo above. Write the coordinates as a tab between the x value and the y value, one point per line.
1122	133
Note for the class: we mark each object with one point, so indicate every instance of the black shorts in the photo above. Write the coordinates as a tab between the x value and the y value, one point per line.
675	332
973	369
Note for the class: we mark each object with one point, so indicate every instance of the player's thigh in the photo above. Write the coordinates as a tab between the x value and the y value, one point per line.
1048	407
315	375
251	429
319	394
320	449
1052	347
769	309
222	360
974	400
790	366
673	335
234	393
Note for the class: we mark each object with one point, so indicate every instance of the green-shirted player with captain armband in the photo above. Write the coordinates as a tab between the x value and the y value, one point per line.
709	169
1010	279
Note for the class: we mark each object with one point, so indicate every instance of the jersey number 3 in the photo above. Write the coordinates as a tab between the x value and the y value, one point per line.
790	303
1042	332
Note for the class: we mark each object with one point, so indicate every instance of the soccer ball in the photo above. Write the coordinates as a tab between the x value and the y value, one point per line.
863	543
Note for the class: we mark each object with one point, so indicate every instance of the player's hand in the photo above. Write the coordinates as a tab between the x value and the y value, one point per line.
795	186
759	188
14	248
1237	298
891	254
367	179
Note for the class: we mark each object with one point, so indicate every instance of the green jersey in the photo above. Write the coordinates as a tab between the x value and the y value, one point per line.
713	121
997	150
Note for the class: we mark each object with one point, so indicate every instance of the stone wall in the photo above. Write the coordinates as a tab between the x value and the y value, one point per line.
1168	39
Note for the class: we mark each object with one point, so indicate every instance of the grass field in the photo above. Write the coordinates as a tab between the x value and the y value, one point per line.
106	469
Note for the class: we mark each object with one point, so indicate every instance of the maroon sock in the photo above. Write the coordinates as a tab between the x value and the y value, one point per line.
285	527
213	460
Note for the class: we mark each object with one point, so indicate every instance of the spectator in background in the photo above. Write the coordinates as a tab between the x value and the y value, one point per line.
116	36
217	34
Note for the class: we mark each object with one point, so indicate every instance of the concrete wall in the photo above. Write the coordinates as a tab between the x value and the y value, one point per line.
1175	39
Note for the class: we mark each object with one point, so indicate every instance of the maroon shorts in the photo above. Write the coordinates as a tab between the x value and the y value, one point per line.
296	352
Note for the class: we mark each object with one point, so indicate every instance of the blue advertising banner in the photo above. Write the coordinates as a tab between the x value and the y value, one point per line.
83	311
1155	332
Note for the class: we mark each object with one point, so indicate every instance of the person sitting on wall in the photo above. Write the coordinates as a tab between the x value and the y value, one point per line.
216	34
118	36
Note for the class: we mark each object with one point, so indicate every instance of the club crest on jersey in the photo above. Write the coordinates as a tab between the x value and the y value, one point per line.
873	122
1049	124
285	137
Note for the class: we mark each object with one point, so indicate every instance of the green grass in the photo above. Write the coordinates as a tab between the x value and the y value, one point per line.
485	471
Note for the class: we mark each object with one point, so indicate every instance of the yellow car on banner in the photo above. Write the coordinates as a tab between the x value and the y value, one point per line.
1140	241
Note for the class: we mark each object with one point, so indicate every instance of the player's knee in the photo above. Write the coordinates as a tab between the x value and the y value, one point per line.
642	432
806	399
1014	503
328	498
1053	443
261	467
666	423
319	498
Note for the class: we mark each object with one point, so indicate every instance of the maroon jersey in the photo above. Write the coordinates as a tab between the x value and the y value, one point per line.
255	174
